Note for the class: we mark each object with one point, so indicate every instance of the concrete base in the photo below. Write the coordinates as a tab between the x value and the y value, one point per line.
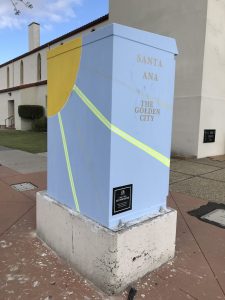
110	259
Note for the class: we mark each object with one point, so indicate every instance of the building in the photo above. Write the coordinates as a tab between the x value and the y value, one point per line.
199	28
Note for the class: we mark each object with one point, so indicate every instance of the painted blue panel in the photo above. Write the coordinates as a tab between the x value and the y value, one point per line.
133	62
88	140
58	180
95	75
129	165
89	148
129	89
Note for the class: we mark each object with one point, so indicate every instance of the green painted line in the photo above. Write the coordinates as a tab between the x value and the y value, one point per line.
160	157
92	107
68	162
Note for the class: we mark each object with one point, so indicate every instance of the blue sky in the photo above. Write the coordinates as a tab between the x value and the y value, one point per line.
55	16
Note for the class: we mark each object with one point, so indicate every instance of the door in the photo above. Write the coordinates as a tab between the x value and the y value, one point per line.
11	114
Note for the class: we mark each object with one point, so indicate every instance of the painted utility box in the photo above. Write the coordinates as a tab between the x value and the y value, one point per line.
110	105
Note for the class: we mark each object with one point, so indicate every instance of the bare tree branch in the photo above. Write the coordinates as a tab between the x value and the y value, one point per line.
27	4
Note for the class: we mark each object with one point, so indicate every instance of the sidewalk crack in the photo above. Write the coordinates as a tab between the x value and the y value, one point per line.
14	223
186	293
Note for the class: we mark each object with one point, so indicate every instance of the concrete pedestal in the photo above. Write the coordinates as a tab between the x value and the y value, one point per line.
110	259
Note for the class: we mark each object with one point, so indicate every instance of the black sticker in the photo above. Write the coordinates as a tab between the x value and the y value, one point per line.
122	199
209	135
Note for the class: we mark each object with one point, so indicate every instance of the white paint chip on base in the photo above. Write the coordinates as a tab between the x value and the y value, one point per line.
111	260
217	216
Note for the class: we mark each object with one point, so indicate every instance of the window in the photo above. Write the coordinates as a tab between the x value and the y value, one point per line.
21	72
8	81
39	67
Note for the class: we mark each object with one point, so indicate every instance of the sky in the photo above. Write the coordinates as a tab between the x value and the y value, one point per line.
56	18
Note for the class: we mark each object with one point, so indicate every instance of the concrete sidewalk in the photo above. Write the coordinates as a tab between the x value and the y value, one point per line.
23	162
30	270
202	178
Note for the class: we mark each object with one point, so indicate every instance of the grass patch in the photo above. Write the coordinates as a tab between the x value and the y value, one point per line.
30	141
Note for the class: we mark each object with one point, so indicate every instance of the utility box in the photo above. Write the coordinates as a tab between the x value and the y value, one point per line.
110	104
110	107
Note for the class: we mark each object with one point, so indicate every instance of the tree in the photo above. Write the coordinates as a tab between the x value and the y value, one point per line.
15	5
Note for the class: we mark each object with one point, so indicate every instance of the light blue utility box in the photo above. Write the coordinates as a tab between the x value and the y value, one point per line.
109	144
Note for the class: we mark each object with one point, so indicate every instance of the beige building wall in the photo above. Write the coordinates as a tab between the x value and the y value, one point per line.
213	85
30	70
184	20
33	96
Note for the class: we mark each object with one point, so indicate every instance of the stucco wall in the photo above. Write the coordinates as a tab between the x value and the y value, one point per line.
33	95
30	70
185	21
213	86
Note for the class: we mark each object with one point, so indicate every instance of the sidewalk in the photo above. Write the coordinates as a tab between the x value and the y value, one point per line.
30	270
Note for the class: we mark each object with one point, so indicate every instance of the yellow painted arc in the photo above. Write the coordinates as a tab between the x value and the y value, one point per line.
63	68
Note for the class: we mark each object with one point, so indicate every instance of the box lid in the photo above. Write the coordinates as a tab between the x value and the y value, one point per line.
147	38
136	35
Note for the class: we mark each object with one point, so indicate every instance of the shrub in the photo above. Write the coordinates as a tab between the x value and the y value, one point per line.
40	124
31	112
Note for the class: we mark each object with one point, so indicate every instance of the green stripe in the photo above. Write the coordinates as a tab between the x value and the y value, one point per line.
68	163
160	157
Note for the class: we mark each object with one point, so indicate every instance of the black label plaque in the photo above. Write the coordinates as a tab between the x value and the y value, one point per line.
209	135
122	199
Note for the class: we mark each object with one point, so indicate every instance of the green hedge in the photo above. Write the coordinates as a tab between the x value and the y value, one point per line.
31	112
40	124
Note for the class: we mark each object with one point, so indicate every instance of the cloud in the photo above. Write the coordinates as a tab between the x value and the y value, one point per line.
46	12
7	17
